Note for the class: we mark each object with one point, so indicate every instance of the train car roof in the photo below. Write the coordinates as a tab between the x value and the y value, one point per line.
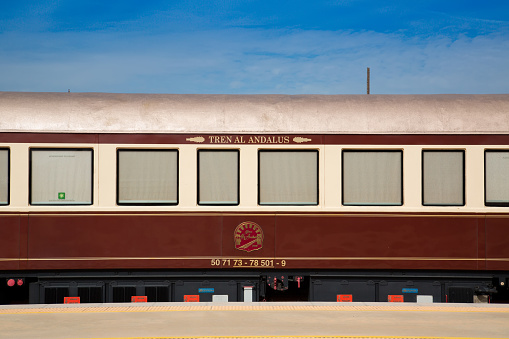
197	113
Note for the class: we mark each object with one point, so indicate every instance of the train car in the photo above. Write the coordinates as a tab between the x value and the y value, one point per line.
253	197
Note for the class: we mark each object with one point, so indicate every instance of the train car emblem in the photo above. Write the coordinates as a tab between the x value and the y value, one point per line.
248	236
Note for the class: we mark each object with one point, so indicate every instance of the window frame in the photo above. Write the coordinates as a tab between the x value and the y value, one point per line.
463	178
76	149
317	151
198	176
117	197
492	204
363	150
8	175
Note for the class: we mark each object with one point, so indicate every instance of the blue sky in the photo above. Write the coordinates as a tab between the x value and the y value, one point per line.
255	47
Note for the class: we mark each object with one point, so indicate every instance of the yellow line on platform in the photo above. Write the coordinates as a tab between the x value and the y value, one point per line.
207	308
300	337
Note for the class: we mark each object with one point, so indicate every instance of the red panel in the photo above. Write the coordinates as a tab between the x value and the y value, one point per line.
497	243
395	298
192	298
152	241
9	242
71	300
344	298
406	242
139	299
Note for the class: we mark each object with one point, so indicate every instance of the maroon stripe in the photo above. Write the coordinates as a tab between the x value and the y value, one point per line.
418	139
31	138
236	140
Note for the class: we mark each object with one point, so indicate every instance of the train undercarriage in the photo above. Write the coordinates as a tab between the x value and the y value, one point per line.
241	286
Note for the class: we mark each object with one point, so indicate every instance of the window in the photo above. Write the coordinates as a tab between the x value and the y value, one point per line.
61	176
496	178
288	177
147	177
372	177
443	178
218	177
4	176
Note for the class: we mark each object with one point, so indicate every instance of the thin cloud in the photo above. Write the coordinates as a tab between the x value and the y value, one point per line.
254	61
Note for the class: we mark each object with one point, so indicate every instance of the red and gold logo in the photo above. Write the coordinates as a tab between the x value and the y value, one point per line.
248	236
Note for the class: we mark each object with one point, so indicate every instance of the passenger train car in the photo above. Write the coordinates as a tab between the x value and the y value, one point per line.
253	197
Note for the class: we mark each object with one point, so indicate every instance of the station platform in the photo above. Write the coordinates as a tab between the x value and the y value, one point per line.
255	320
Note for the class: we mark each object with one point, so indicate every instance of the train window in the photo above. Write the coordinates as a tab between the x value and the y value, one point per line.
61	176
4	176
496	177
218	177
372	178
288	177
443	178
147	177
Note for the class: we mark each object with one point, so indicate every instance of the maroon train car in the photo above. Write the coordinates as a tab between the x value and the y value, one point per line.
253	197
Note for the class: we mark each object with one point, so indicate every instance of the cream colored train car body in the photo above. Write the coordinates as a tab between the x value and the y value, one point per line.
209	116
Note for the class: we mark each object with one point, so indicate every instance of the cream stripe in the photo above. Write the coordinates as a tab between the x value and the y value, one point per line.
111	213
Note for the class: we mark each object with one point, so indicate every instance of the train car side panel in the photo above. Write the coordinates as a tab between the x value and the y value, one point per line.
125	241
10	242
379	241
497	251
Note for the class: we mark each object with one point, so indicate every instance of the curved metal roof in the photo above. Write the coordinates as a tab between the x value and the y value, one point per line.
196	113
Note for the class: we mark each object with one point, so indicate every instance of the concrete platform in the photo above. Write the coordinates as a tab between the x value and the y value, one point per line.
255	320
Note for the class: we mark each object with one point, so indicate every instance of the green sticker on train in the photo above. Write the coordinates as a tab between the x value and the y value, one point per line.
61	195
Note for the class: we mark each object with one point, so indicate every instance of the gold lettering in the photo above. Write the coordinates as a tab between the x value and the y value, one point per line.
211	140
229	139
216	140
261	139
